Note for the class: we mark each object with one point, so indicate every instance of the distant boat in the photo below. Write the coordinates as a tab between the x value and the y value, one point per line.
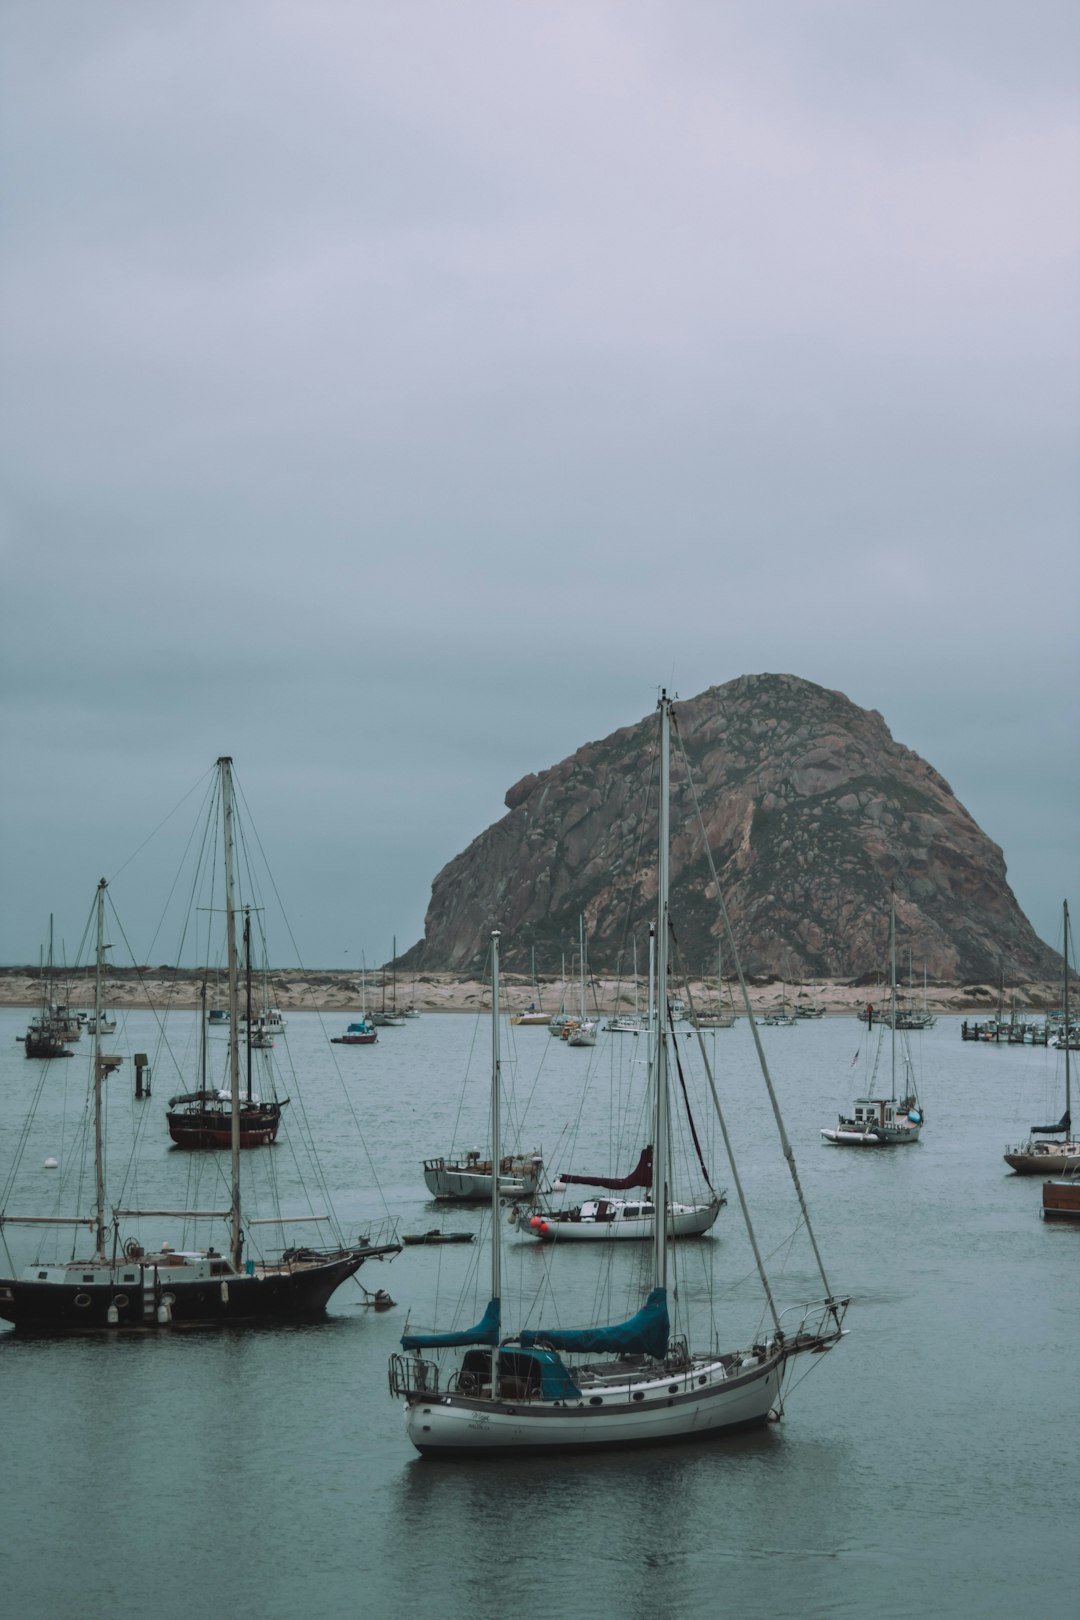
55	1027
204	1117
581	1031
534	1013
1062	1156
879	1121
361	1032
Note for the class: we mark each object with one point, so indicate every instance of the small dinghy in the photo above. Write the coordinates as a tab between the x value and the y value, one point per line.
435	1236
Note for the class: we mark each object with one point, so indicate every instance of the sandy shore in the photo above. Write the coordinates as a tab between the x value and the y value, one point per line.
437	992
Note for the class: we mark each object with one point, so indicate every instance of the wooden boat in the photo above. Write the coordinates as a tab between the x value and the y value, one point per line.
123	1285
1061	1199
203	1118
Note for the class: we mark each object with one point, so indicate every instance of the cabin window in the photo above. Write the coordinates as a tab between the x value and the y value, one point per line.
42	1276
218	1268
88	1276
129	1276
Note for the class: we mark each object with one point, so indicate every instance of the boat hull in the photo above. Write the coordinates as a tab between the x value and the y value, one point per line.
1061	1200
876	1137
684	1221
144	1297
469	1185
214	1130
673	1409
1053	1159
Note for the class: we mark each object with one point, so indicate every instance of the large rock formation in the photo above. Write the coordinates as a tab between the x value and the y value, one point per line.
812	815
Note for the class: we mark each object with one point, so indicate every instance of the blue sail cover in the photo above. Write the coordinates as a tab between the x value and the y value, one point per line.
645	1334
486	1331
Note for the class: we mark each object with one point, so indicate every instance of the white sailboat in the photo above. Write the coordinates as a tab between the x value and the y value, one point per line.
877	1120
582	1031
635	1023
534	1013
1061	1156
530	1392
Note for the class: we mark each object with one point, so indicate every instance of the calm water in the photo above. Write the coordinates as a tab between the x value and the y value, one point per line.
927	1467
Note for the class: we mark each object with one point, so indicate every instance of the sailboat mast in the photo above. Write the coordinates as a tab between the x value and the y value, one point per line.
247	995
496	1151
99	1074
660	1136
1065	948
581	959
892	989
235	1234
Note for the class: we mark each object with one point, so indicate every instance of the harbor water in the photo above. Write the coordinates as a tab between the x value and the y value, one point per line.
925	1467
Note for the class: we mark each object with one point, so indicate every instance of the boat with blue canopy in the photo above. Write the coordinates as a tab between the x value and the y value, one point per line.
638	1382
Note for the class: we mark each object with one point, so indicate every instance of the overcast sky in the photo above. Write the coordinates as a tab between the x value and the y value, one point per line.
394	394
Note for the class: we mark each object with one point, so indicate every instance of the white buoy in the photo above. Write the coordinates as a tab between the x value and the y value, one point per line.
51	1164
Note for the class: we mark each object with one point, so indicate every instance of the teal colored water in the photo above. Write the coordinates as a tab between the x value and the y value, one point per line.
925	1468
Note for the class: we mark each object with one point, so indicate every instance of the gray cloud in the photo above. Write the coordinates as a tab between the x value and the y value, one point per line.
395	395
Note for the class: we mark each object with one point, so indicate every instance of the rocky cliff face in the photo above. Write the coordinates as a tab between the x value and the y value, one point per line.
812	814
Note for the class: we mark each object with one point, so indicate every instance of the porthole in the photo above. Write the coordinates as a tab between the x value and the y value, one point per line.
82	1301
596	1400
120	1300
673	1389
639	1395
703	1379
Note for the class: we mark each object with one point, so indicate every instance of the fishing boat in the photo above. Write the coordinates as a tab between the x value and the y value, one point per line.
877	1120
640	1382
203	1118
122	1284
1061	1156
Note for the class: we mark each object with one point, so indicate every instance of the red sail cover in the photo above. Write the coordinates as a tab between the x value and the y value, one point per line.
640	1176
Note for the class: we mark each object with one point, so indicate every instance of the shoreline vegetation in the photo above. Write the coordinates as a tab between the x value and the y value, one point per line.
324	990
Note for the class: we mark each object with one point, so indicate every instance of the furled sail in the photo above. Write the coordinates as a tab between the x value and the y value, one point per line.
645	1334
486	1331
640	1176
1062	1128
